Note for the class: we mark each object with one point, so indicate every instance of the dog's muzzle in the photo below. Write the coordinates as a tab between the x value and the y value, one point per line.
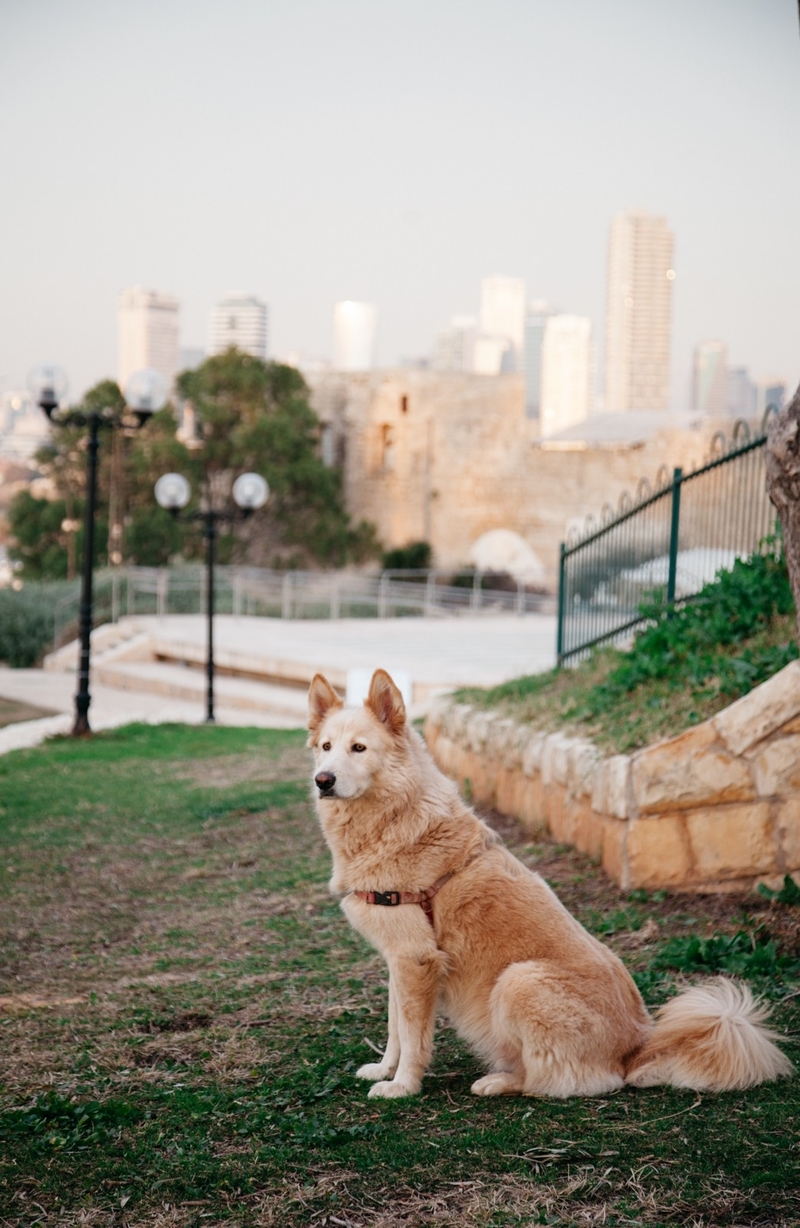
325	782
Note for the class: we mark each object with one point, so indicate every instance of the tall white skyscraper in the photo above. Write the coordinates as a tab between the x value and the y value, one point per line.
354	336
566	384
239	320
638	312
503	317
709	377
148	334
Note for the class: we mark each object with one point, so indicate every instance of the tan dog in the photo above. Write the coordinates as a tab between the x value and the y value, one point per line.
548	1008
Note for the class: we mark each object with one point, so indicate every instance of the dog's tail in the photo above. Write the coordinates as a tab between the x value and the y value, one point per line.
711	1038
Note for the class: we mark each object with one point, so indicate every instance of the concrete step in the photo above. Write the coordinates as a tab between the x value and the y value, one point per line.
186	682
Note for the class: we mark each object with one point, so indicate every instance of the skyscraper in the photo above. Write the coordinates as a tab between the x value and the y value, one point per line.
503	317
566	383
709	377
741	395
638	312
239	320
535	322
455	346
354	327
148	334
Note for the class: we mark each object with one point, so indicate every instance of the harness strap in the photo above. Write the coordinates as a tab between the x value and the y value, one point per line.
390	899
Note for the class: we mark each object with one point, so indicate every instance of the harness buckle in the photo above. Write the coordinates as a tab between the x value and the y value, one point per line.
387	898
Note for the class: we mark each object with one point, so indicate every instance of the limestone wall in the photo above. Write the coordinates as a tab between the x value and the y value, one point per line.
445	457
715	809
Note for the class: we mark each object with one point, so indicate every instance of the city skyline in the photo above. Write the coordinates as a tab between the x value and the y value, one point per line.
396	156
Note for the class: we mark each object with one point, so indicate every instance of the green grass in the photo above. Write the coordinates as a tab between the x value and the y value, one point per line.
684	666
183	1007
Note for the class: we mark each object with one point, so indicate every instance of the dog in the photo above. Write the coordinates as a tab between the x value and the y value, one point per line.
466	929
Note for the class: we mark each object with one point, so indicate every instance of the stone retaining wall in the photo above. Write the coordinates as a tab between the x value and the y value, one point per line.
715	809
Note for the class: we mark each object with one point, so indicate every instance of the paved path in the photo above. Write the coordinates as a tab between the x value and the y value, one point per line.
438	654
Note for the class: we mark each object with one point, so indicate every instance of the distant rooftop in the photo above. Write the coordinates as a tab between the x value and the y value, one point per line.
631	426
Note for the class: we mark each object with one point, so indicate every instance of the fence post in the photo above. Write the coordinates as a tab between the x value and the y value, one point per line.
430	593
237	594
161	592
383	592
562	561
335	596
286	596
475	597
115	596
674	530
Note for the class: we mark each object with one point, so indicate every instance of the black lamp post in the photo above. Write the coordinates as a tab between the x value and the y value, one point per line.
250	492
145	393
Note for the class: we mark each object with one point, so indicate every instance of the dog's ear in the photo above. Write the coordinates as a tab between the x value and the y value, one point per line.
386	701
321	699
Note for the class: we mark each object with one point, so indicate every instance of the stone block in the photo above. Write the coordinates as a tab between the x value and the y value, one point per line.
532	753
688	771
732	841
555	758
762	711
610	792
478	729
501	732
583	759
614	851
787	826
557	821
585	826
659	854
533	810
777	767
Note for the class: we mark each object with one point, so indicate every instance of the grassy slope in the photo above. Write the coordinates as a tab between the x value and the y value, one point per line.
184	1008
680	670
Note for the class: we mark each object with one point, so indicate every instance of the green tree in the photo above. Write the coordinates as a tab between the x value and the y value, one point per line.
256	416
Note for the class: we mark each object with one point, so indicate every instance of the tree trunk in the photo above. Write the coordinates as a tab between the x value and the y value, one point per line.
783	486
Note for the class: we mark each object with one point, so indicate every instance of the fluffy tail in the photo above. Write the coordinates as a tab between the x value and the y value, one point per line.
711	1038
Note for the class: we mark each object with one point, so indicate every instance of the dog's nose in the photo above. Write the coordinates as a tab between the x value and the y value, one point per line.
324	781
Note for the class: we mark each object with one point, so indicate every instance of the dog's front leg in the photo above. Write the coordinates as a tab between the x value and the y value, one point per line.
414	985
386	1067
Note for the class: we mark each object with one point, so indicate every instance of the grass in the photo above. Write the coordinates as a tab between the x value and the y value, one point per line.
183	1007
683	667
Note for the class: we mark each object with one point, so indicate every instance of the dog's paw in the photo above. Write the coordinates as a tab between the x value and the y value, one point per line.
390	1089
374	1071
498	1084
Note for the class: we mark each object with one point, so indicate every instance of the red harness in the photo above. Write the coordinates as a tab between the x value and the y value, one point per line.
389	899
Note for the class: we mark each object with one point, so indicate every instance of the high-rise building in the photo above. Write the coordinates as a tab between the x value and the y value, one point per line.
770	392
709	377
741	394
354	336
455	346
239	320
148	334
535	322
503	318
566	384
638	312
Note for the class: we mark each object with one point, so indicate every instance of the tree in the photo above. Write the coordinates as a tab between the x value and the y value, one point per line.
783	486
256	416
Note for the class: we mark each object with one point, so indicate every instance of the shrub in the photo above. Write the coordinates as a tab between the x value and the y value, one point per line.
416	556
26	627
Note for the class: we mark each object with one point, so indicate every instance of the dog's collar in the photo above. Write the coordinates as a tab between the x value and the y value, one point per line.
389	899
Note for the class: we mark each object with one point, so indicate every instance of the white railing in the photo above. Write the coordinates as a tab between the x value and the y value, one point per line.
300	594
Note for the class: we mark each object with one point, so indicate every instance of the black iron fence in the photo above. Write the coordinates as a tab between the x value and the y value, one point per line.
663	545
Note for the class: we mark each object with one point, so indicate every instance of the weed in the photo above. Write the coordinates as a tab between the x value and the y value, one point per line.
788	894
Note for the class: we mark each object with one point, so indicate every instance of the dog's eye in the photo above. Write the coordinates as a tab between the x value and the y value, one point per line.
326	745
358	747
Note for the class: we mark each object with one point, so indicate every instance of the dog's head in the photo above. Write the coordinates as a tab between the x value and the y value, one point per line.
351	745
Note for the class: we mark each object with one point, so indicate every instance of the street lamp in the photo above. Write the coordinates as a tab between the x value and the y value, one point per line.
145	393
250	492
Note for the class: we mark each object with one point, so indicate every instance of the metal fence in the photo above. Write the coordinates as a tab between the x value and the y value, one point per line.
297	594
664	545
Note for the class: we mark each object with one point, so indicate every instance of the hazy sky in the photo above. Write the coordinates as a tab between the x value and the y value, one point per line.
396	151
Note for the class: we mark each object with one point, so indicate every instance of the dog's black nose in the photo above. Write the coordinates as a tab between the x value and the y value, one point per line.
324	781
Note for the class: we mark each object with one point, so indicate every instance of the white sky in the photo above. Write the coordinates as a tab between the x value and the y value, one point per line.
396	151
